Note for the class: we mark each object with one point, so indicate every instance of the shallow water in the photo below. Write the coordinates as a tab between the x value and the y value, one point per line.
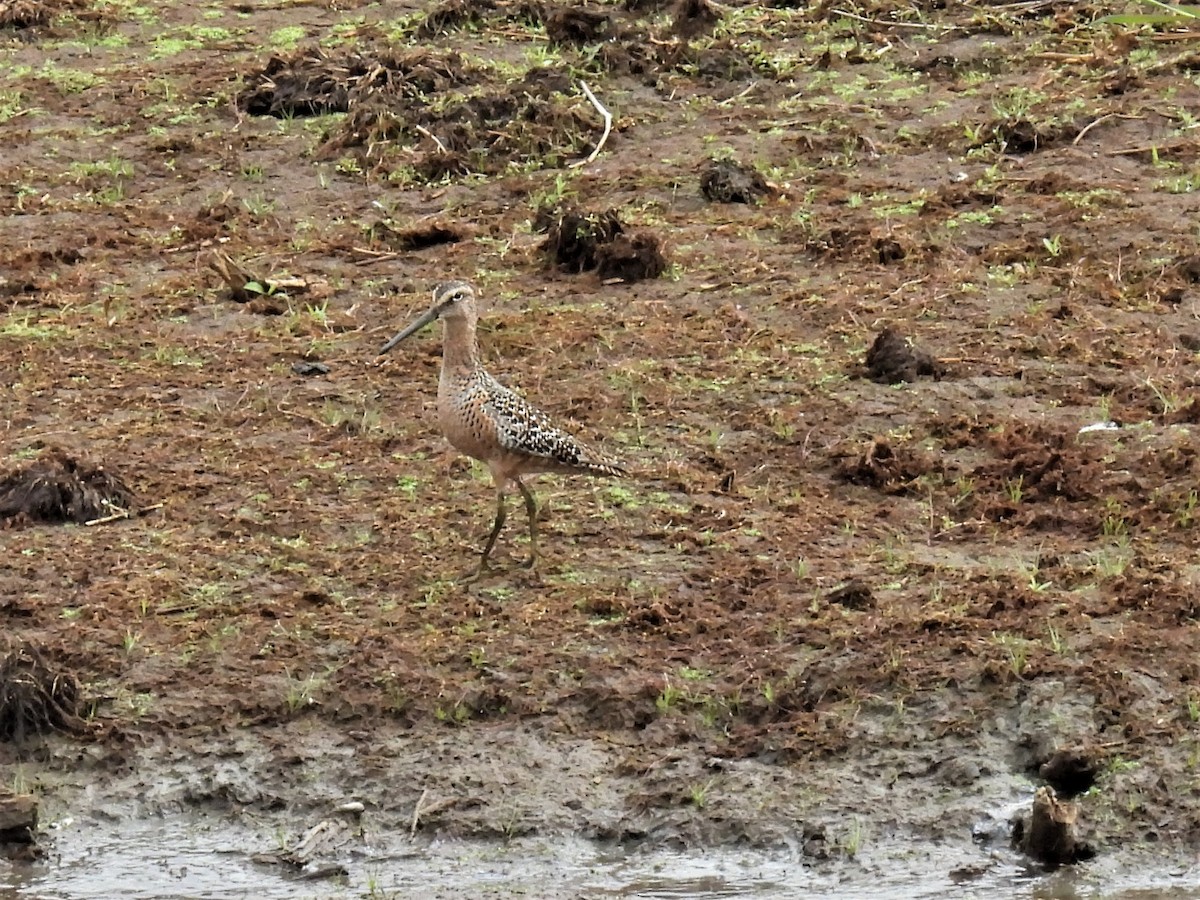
194	858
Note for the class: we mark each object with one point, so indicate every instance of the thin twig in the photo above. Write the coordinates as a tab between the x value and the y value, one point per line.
433	137
738	96
885	24
412	832
123	514
1148	148
1079	137
607	127
375	255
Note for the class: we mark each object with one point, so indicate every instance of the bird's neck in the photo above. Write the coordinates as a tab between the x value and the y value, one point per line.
460	348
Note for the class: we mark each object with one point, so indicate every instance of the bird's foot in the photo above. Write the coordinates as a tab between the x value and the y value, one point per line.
474	575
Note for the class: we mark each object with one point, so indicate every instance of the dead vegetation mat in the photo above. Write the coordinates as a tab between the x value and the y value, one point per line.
36	697
60	488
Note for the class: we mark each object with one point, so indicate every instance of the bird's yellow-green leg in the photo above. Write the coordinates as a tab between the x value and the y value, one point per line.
531	508
501	513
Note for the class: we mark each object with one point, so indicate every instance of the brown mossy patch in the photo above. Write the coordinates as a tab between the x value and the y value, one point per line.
18	15
58	487
1037	464
454	14
35	696
879	465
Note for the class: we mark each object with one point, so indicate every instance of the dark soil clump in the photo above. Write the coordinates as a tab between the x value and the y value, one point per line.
34	697
1070	772
577	25
894	358
693	17
59	488
416	237
726	181
580	242
852	595
630	258
573	236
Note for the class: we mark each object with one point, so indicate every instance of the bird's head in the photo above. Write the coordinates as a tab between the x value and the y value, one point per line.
451	300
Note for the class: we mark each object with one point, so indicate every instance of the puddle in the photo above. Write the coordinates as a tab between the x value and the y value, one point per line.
209	859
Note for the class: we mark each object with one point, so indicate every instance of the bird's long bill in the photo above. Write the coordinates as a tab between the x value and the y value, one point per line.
425	318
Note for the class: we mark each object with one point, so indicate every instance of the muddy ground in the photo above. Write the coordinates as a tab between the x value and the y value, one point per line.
827	609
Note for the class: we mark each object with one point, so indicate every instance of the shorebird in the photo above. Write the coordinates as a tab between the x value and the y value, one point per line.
485	420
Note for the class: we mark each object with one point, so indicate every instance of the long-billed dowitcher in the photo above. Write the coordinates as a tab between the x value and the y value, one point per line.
487	421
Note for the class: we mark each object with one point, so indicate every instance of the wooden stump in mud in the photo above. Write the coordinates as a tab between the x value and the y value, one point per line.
1050	835
18	817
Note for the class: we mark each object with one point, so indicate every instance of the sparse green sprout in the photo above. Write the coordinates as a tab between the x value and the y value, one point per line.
855	837
698	793
668	698
1014	489
1016	648
1186	514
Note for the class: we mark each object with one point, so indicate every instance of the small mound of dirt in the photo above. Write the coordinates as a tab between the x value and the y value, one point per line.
883	468
852	595
629	258
693	17
59	488
894	358
35	698
579	241
577	25
572	236
727	181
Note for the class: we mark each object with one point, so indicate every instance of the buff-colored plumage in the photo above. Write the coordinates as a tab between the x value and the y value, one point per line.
487	421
